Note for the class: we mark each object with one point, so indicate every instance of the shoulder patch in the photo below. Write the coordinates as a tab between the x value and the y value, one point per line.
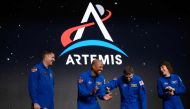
34	69
141	83
80	80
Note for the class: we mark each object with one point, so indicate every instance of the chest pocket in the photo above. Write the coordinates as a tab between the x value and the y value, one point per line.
45	75
89	84
124	87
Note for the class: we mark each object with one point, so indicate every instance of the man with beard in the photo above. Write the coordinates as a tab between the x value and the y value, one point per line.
91	86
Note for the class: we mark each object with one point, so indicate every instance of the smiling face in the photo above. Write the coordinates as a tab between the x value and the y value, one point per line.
128	77
97	67
49	58
128	73
164	70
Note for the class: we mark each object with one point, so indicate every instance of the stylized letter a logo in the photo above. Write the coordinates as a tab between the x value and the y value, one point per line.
91	9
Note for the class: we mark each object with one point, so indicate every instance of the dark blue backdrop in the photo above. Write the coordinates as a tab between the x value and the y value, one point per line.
148	31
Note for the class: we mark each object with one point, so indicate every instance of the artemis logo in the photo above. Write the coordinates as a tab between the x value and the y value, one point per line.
84	59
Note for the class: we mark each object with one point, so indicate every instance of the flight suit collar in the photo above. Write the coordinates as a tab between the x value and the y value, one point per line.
42	64
170	77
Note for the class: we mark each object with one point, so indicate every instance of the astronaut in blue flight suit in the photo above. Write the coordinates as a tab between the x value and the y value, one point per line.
170	87
91	86
41	83
132	89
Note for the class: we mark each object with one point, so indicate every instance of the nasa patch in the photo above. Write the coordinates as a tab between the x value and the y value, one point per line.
89	82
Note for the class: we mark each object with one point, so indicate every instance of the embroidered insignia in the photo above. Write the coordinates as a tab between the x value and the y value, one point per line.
80	80
174	82
34	69
99	83
89	82
141	83
124	85
133	85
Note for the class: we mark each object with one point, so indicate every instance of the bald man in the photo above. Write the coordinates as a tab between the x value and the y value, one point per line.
91	86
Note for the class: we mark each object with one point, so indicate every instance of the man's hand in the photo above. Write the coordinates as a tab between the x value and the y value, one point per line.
95	90
171	93
36	106
108	90
170	88
107	97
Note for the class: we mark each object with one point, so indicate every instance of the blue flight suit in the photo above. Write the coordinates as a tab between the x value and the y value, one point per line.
41	86
86	84
171	102
133	93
